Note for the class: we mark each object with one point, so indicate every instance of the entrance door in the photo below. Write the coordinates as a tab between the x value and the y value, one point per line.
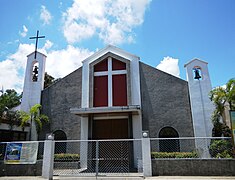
114	156
110	129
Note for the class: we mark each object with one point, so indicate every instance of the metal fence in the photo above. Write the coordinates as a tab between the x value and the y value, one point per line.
98	157
122	157
191	147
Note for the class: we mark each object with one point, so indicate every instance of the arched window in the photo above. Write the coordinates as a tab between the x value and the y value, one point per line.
169	145
60	147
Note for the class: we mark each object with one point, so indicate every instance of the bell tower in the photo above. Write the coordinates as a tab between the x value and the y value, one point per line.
199	84
34	81
33	84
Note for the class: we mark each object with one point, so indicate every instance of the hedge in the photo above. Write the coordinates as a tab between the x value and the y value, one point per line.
156	155
66	157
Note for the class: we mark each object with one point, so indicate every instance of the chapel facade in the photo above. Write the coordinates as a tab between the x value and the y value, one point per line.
115	95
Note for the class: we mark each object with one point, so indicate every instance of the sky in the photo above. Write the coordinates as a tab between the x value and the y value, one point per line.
165	34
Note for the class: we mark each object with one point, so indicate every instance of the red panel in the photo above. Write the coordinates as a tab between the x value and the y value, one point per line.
100	91
101	66
119	90
118	65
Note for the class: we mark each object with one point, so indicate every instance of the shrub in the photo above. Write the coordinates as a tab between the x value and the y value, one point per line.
221	149
66	157
156	155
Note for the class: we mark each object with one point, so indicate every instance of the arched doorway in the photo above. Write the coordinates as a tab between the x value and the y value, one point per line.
169	145
60	147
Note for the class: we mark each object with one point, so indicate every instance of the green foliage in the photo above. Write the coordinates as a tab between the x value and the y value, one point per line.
221	149
34	115
66	157
13	118
48	80
155	155
25	117
219	128
9	99
220	96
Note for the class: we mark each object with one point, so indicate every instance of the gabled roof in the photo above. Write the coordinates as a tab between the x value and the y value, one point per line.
112	49
37	52
195	59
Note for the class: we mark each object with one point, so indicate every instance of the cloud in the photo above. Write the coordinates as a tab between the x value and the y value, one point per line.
62	62
45	15
111	21
12	68
47	45
59	63
24	32
169	65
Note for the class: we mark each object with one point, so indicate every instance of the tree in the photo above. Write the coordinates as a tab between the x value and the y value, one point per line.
48	80
33	116
220	96
9	99
11	117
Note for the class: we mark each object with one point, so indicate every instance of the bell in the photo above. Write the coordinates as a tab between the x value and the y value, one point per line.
197	75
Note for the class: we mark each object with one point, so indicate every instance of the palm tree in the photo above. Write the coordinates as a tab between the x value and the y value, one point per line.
220	96
33	116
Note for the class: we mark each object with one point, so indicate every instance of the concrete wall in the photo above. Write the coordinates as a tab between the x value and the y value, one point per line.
57	100
165	102
193	167
21	169
169	167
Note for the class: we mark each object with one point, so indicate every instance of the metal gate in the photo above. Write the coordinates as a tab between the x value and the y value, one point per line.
98	158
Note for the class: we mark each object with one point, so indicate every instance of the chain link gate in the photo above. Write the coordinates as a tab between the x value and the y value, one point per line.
98	158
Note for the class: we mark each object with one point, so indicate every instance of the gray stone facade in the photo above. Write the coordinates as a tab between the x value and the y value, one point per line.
165	102
57	100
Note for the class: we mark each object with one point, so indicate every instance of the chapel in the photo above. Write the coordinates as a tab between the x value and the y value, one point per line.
115	95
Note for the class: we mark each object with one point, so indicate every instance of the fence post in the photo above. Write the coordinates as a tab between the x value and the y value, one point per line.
97	158
146	153
48	157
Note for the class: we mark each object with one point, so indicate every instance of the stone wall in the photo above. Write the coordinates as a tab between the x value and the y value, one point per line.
57	100
165	102
21	169
193	167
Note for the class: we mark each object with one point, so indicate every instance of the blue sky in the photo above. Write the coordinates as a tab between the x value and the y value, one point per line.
163	33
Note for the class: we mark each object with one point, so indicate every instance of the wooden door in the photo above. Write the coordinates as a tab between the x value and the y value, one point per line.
114	156
110	129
